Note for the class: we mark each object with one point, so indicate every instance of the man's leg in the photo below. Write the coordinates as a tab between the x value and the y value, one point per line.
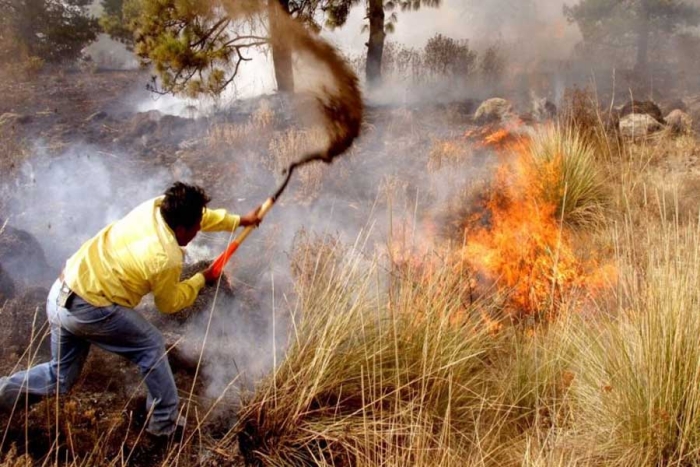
127	333
68	354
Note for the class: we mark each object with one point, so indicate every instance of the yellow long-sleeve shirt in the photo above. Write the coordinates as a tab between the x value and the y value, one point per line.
137	255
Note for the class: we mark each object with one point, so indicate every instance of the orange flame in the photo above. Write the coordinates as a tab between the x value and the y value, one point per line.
518	243
497	137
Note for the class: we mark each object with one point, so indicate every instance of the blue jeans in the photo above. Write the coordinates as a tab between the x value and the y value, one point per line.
114	328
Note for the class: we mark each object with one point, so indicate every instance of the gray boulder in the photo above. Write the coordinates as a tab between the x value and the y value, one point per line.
23	258
636	126
7	286
642	107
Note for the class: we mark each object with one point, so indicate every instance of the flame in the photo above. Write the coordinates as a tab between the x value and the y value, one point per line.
497	137
514	245
517	242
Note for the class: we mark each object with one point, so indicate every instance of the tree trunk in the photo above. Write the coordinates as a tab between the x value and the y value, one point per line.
643	31
281	53
375	46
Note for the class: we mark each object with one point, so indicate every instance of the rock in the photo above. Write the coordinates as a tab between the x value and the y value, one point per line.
492	111
638	125
642	108
23	258
679	122
7	286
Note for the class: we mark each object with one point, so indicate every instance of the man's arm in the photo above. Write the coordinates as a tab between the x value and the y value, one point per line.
218	220
171	295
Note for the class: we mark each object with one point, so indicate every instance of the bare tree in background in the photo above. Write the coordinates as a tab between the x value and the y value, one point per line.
375	44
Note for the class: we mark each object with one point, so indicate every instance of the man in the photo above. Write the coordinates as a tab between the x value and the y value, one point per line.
92	301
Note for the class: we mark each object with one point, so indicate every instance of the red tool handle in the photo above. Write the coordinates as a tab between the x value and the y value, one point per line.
222	259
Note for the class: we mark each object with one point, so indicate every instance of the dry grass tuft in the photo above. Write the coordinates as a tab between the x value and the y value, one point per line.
570	178
13	459
580	114
368	381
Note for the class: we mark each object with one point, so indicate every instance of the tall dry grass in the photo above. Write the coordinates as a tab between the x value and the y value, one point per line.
639	368
405	372
395	366
370	380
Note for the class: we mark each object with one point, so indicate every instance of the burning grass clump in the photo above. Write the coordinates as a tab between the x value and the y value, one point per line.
369	380
520	242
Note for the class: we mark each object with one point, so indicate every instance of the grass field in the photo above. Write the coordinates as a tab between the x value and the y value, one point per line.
544	313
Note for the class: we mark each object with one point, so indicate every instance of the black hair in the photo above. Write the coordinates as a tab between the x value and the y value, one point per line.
183	205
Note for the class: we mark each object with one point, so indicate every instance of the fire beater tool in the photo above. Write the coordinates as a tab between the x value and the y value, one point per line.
222	259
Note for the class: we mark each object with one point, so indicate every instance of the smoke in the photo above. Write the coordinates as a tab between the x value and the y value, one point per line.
248	333
108	54
92	191
64	199
255	78
531	36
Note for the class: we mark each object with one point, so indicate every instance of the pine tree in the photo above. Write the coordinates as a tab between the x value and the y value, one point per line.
631	24
53	30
